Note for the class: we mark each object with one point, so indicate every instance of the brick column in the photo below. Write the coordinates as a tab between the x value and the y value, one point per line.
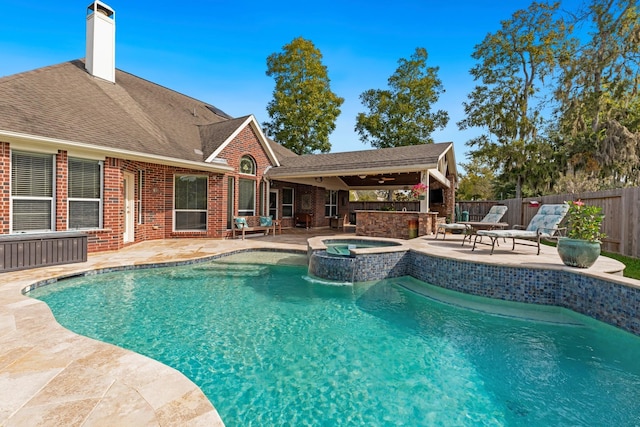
62	190
5	187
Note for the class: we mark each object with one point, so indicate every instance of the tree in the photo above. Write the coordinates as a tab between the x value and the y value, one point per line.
598	95
401	115
513	65
477	183
303	110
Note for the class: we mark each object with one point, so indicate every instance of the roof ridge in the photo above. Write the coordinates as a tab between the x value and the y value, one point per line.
404	147
124	100
213	108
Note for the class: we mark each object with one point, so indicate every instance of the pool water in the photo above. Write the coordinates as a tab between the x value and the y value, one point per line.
271	347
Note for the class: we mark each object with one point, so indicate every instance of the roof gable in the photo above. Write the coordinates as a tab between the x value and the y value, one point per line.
229	130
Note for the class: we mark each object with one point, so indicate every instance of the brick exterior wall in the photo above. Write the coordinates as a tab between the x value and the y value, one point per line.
154	207
310	199
62	190
5	187
246	143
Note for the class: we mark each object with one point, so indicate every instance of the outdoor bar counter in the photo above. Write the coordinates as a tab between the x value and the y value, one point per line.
395	224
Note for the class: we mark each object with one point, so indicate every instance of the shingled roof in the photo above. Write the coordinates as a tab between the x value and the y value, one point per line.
398	159
65	102
215	134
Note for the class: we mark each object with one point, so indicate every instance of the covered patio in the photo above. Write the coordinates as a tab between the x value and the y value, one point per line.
399	168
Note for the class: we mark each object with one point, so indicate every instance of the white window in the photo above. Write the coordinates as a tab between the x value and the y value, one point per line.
84	188
287	202
331	203
32	192
190	203
246	197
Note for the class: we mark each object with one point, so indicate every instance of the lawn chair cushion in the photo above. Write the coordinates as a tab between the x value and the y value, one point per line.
266	221
518	234
453	226
241	222
495	214
548	218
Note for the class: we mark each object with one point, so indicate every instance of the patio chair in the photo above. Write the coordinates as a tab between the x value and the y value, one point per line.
544	225
490	221
346	224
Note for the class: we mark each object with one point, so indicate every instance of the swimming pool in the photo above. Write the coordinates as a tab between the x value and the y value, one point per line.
271	347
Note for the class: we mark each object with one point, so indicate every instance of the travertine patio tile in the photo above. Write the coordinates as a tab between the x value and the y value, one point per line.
18	388
7	324
124	404
68	414
184	410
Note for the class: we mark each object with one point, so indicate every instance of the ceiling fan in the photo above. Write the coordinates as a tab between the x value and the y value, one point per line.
383	179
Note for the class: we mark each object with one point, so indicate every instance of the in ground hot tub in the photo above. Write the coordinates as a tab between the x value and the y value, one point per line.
343	247
356	260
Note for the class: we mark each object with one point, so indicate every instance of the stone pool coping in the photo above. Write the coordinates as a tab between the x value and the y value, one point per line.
52	376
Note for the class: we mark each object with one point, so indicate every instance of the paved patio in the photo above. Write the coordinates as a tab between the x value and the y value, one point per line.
51	376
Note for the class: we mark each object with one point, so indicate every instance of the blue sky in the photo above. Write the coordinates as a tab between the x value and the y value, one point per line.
216	51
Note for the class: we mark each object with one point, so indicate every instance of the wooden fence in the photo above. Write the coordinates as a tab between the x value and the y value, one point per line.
621	208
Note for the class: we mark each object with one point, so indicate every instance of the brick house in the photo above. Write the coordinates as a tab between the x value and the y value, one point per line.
85	146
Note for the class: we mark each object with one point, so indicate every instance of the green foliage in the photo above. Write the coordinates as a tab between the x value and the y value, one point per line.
598	97
303	110
402	115
584	222
631	265
477	183
513	65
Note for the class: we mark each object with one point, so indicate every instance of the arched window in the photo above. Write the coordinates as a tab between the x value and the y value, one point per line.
247	165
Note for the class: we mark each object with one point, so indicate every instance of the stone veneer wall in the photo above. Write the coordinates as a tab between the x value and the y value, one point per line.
604	300
360	268
394	225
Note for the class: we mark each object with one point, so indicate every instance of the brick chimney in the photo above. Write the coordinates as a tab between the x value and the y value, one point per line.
101	42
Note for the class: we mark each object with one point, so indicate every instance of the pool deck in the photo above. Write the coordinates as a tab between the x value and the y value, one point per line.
51	376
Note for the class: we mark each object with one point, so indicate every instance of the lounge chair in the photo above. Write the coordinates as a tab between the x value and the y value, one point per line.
490	221
544	225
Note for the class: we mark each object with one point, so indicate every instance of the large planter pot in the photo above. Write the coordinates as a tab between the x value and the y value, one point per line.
578	253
